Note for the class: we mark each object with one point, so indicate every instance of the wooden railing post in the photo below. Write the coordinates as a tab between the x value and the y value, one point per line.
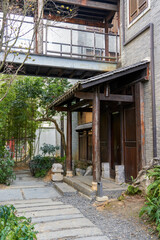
106	41
96	139
69	145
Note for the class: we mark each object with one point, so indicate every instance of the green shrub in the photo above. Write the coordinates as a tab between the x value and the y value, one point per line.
6	169
40	165
41	173
13	227
131	190
152	205
60	160
49	149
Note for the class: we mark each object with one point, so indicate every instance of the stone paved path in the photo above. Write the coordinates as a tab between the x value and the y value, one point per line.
53	219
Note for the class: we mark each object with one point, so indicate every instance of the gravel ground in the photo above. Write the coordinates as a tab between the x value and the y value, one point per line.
113	226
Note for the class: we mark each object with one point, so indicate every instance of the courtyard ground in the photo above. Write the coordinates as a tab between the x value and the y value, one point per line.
74	216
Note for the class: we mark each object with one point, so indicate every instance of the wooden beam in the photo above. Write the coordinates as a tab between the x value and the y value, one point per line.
91	23
117	98
90	4
65	109
111	97
84	95
61	109
78	105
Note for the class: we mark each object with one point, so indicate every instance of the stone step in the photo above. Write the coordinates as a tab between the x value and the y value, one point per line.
56	218
37	201
63	224
23	172
113	193
65	189
42	208
80	187
55	212
69	234
38	204
93	238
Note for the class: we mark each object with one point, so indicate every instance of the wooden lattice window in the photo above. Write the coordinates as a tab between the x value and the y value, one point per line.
136	7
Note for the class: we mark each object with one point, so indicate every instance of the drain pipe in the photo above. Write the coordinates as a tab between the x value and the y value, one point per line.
125	43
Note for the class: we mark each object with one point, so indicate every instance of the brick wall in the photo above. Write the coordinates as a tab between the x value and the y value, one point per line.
138	50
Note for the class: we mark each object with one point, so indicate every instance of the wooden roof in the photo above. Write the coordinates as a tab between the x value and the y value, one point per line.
122	76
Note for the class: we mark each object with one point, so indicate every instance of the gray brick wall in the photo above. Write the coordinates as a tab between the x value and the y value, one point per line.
138	50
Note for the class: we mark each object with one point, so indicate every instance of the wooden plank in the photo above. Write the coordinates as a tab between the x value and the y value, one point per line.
90	4
111	97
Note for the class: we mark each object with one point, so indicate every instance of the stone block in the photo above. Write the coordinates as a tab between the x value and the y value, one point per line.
80	172
105	170
89	171
120	176
57	172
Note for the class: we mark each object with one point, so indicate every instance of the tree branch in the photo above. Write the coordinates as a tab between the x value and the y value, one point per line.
48	119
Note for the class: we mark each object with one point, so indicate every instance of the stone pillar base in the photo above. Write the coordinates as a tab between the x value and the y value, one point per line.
120	175
105	170
69	173
94	186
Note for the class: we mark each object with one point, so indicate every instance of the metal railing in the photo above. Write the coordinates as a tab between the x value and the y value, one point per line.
63	41
92	47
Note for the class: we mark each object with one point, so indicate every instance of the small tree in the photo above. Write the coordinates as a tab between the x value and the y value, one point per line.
27	105
15	25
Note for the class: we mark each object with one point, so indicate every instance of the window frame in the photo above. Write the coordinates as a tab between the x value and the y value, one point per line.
139	15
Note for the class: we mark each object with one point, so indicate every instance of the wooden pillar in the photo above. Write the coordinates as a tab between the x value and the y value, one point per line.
140	131
122	137
96	139
69	145
106	39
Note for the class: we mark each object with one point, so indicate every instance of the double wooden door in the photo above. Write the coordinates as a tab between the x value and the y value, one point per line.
123	141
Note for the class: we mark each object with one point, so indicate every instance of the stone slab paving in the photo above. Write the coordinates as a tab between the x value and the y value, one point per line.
45	192
53	219
10	194
65	189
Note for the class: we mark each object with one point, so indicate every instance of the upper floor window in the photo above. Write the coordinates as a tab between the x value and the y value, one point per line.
136	7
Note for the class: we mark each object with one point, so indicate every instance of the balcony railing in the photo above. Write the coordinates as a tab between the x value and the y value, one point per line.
62	41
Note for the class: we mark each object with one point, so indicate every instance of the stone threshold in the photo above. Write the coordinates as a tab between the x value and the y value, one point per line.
83	185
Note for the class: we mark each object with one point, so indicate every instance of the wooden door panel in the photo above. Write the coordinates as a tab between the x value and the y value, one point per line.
115	142
130	157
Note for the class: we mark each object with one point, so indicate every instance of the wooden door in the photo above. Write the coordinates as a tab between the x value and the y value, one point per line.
115	142
130	160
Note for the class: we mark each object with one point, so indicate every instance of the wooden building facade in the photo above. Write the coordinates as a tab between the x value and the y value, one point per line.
116	134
